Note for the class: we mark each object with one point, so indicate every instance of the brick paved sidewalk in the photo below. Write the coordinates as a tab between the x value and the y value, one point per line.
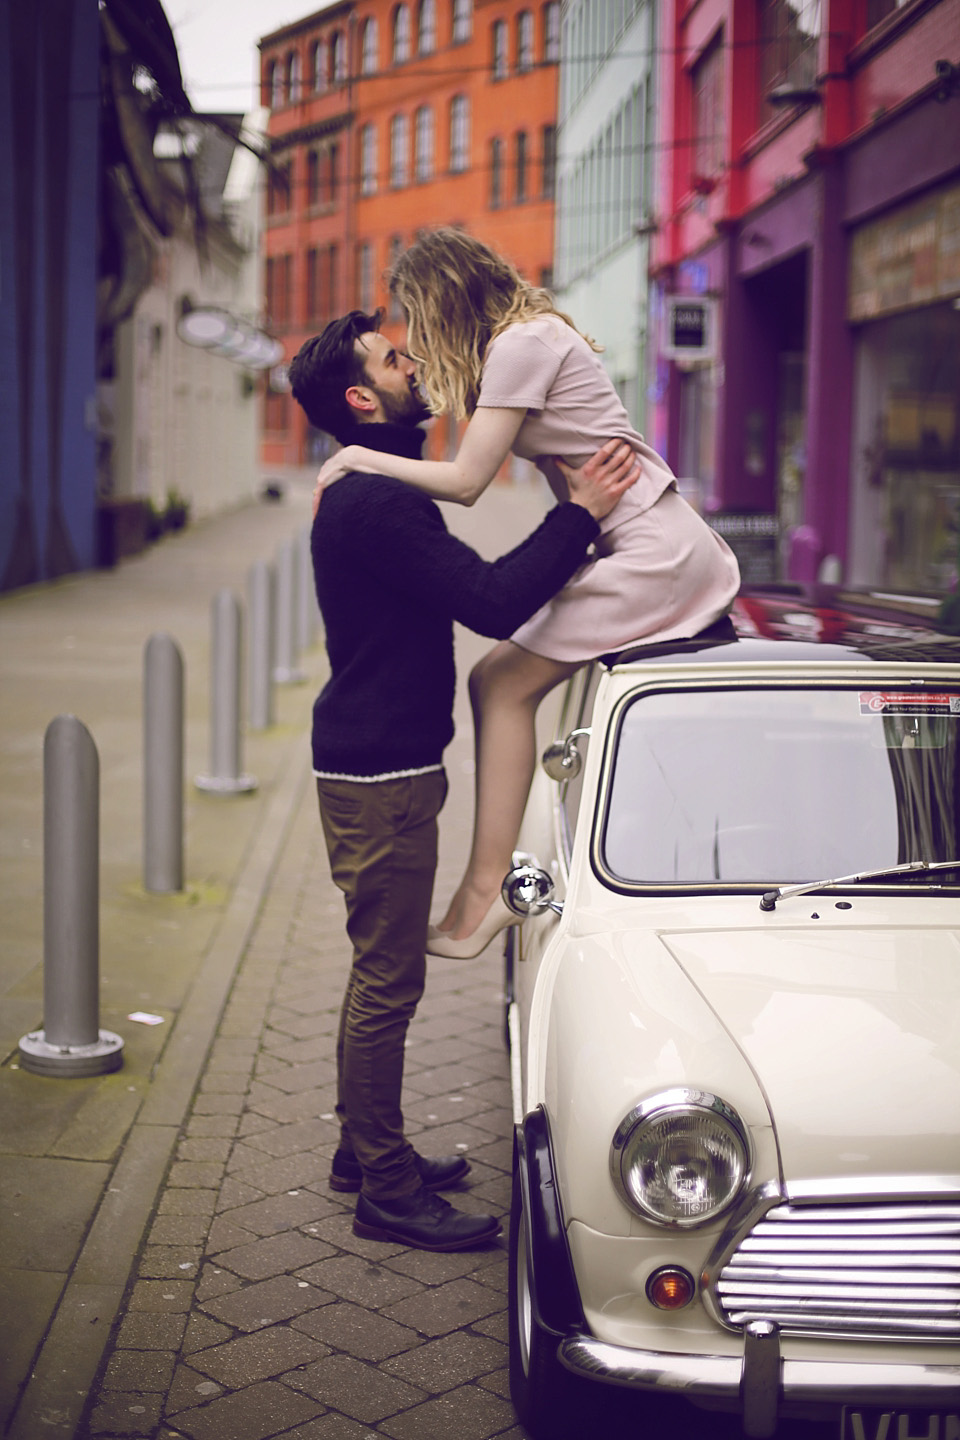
254	1311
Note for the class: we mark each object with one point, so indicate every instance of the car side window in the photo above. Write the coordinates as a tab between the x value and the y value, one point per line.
577	714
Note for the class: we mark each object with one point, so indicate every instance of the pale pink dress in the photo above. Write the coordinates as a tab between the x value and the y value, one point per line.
660	572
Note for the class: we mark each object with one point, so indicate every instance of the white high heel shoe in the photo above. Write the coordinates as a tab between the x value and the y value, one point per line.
497	918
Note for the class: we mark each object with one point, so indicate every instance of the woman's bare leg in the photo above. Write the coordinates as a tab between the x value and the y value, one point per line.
506	687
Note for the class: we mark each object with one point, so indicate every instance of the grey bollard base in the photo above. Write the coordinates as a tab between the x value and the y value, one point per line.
226	784
71	1061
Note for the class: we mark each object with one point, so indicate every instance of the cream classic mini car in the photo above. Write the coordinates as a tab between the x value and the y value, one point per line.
734	1014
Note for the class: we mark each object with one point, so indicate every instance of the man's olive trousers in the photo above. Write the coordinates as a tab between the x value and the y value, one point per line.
382	842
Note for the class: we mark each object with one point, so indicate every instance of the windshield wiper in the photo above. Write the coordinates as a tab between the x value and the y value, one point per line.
769	900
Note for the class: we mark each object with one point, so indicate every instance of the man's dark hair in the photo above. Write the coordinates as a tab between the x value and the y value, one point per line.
326	366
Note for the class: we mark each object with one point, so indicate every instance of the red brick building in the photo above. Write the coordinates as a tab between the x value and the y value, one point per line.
386	118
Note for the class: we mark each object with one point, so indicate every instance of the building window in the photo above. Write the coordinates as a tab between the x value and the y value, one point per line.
459	134
499	49
394	308
275	410
520	165
318	67
462	21
524	41
399	151
322	281
369	47
278	289
278	189
332	175
423	144
789	42
427	27
368	160
401	35
338	54
551	32
496	173
293	77
548	152
878	10
365	276
270	98
313	179
706	79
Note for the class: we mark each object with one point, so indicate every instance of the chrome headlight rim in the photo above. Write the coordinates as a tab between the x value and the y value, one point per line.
679	1101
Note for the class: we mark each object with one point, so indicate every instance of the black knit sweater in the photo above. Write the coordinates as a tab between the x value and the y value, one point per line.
391	580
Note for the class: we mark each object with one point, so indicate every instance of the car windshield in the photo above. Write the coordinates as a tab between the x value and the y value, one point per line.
758	785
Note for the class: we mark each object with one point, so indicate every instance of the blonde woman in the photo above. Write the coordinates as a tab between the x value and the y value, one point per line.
494	349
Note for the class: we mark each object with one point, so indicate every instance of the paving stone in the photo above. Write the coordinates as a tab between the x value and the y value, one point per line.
435	1267
159	1261
266	1302
224	1235
354	1388
202	1332
179	1230
352	1278
191	1175
151	1332
294	1078
331	1427
214	1281
204	1148
126	1414
280	1140
251	1124
219	1126
338	1230
251	1414
277	1255
189	1388
359	1331
496	1276
498	1381
234	1193
448	1307
261	1356
139	1370
470	1413
241	1156
289	1108
281	1212
291	1173
495	1325
208	1104
303	1027
162	1296
450	1361
297	1052
187	1202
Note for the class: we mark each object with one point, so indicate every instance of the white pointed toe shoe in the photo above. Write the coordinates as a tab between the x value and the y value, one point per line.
497	918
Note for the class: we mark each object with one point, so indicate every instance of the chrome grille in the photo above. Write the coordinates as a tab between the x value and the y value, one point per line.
877	1271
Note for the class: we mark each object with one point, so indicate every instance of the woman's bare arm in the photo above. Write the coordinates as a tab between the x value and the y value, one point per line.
485	445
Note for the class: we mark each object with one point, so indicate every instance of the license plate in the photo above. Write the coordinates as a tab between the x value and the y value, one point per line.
879	1424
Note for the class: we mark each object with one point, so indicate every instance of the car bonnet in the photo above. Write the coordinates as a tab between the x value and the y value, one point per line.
854	1036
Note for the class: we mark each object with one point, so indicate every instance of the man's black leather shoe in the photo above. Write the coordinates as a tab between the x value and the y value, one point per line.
424	1221
437	1172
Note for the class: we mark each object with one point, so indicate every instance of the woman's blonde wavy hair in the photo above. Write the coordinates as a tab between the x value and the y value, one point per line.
457	295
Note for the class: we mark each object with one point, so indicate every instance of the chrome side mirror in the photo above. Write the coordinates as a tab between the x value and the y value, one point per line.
562	760
528	890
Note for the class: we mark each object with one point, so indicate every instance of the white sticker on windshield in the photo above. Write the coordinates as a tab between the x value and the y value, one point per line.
905	702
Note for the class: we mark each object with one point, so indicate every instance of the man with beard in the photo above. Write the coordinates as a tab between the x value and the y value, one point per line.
390	581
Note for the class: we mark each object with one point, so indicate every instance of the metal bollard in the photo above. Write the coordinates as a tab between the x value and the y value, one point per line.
260	646
308	615
225	777
162	765
286	671
71	1042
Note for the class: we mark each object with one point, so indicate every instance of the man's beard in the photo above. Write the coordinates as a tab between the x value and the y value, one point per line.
405	409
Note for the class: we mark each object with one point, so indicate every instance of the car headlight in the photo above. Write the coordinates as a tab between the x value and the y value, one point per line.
680	1157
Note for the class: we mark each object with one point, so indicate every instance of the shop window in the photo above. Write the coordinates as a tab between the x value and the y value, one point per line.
496	173
524	41
789	44
551	32
368	160
499	39
369	47
427	27
401	34
459	134
706	81
462	26
399	150
423	144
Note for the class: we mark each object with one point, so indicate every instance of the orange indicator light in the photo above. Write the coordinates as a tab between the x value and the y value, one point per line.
670	1288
